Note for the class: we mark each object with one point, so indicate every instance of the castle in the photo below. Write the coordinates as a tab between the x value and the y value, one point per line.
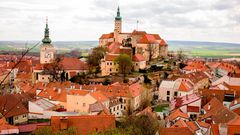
139	45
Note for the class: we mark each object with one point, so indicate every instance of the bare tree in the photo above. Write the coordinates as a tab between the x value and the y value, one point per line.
55	69
151	49
180	55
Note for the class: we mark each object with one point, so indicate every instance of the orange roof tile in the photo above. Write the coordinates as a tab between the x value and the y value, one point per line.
138	58
11	105
177	113
110	57
85	124
58	94
98	95
147	39
78	92
106	36
192	125
5	126
175	131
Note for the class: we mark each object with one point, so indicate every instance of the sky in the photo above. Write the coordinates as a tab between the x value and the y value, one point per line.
84	20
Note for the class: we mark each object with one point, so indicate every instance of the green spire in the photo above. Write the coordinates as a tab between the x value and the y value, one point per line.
46	39
118	17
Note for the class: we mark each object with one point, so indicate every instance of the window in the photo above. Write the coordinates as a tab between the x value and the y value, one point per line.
117	107
107	63
110	63
175	93
121	106
168	99
110	69
136	64
168	92
84	104
124	108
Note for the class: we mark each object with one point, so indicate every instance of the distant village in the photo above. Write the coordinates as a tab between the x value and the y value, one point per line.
129	84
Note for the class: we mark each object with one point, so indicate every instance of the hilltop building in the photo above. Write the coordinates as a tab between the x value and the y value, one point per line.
140	45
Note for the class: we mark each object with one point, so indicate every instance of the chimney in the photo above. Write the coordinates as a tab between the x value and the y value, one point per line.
187	96
38	91
59	90
235	102
50	97
209	106
81	87
8	64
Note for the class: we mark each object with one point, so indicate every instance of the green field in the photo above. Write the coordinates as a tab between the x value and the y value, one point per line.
191	48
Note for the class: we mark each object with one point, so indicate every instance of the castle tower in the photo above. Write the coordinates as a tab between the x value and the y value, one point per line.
118	25
47	50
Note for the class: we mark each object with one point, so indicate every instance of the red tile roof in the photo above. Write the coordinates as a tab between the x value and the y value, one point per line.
175	131
98	95
217	112
11	105
106	36
110	57
147	39
138	58
5	126
85	124
177	113
78	92
57	94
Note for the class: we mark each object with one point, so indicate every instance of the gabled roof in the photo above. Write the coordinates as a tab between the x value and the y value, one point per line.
138	58
217	112
177	113
147	39
11	105
106	36
57	94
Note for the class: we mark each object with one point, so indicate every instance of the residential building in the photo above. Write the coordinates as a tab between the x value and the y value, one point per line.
13	109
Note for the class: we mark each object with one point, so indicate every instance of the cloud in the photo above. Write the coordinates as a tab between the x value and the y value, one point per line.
87	20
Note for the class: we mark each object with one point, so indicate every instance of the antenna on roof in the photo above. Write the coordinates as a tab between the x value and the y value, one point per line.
137	25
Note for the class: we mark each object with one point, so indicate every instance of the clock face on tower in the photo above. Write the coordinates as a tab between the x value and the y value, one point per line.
47	55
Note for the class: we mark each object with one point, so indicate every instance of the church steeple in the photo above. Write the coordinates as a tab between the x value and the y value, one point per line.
118	17
46	39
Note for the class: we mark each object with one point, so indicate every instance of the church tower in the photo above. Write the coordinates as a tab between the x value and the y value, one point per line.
118	25
47	50
118	21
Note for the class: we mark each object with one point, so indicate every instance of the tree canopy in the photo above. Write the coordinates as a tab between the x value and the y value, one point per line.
125	63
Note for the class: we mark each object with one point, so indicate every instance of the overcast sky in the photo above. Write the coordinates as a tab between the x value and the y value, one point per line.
200	20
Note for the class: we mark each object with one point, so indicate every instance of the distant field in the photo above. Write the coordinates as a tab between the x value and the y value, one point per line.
191	48
206	49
